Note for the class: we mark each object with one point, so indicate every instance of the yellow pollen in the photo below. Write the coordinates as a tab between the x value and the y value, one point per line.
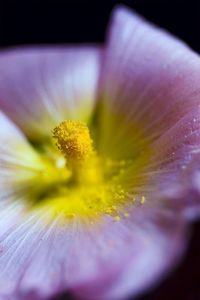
126	215
73	140
143	199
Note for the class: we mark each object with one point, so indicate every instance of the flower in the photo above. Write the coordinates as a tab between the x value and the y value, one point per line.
99	163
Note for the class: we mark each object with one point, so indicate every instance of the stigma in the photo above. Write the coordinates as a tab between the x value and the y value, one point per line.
73	140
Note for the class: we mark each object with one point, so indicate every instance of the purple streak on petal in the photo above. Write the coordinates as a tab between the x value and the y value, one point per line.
178	144
42	86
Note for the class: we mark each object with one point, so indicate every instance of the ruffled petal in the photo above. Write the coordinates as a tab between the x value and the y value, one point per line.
157	241
41	87
59	256
100	261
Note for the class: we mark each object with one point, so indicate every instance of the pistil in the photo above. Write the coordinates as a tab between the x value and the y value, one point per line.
74	141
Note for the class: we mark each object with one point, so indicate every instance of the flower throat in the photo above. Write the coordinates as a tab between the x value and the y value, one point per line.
87	184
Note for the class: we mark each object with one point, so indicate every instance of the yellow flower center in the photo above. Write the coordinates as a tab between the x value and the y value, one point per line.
80	181
73	140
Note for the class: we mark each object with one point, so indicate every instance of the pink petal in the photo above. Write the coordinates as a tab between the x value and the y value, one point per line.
174	167
109	260
18	161
183	196
57	256
104	261
40	87
151	79
156	243
148	75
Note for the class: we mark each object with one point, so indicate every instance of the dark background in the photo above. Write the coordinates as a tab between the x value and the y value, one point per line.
75	21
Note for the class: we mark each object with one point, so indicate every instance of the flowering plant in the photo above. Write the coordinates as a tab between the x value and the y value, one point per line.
99	163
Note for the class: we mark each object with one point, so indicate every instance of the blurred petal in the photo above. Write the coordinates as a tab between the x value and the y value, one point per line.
103	261
59	256
40	87
18	161
158	239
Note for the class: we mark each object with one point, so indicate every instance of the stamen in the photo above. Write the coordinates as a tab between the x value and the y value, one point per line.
73	140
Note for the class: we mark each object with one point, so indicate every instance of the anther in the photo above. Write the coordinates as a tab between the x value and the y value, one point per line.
73	140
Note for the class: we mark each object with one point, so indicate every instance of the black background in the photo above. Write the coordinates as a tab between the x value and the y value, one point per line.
76	21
